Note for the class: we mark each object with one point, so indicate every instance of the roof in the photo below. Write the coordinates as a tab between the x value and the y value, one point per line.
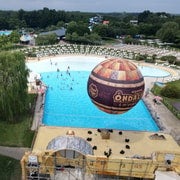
26	37
59	32
71	143
105	22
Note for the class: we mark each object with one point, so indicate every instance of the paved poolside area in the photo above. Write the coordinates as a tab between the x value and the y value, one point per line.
164	118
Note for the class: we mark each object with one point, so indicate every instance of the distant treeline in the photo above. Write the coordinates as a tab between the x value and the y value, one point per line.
45	17
150	25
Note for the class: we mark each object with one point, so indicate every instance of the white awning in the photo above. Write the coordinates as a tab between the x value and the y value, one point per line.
33	76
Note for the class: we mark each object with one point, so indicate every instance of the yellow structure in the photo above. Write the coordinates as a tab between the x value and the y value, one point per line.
100	152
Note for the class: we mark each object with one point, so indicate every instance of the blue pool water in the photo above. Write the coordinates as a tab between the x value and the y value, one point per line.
160	84
152	72
5	32
68	104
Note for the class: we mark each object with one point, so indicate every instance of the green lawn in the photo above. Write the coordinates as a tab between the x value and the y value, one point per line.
15	135
18	135
10	168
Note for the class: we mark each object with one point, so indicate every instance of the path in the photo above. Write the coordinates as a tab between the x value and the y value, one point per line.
164	118
38	114
14	152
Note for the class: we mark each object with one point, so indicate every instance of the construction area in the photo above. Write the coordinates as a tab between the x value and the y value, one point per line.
77	153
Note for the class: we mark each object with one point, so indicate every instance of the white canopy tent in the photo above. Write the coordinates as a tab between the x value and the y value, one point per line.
33	76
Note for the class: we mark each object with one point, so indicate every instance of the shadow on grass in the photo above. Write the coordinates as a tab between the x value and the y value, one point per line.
10	168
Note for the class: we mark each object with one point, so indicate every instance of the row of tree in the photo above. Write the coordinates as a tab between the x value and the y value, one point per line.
162	25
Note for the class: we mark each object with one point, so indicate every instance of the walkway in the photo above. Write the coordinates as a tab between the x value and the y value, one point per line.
38	114
14	152
164	118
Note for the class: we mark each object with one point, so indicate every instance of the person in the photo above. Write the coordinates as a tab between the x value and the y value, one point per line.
155	101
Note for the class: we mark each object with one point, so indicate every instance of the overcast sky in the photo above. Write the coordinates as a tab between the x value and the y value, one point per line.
169	6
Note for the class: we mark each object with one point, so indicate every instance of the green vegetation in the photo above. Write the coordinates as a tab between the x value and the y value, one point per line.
170	59
19	134
9	168
149	25
171	91
169	32
8	42
13	86
170	94
46	39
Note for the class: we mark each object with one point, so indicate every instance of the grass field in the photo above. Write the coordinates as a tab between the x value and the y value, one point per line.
17	135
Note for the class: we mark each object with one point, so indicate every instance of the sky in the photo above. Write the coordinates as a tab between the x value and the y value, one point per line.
169	6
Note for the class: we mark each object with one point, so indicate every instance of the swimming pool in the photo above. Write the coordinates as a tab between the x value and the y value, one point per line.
67	102
6	32
153	72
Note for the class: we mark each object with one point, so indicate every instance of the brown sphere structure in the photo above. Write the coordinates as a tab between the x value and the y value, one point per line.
115	85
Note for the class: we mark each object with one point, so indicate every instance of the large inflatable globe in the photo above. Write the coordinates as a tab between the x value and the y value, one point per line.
115	85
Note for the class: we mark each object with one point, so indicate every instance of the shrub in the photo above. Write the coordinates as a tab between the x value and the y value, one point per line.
150	60
170	91
171	59
140	57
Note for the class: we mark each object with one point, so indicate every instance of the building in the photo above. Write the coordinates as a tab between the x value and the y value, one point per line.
134	22
27	39
60	33
105	22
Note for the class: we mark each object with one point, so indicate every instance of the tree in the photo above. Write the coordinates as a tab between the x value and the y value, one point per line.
13	86
148	29
170	59
143	17
14	37
171	91
168	32
46	39
79	28
101	30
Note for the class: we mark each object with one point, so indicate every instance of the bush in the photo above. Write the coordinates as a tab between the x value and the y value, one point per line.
150	60
171	59
46	39
156	90
140	57
170	91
